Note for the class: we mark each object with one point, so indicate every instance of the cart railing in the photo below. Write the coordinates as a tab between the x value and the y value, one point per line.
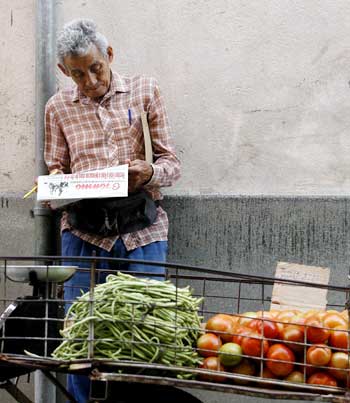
145	330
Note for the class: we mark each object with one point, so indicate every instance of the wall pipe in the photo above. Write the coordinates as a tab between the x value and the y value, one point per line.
45	86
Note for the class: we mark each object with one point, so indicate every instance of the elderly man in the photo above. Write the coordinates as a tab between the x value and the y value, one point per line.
94	125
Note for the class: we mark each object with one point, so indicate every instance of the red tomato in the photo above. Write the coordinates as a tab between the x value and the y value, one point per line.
339	365
332	319
280	327
286	315
213	364
208	345
339	337
222	325
292	335
254	345
240	332
235	319
266	314
333	311
298	320
265	327
272	313
320	315
309	370
245	367
310	313
315	332
318	354
246	318
281	353
345	315
295	376
266	373
321	378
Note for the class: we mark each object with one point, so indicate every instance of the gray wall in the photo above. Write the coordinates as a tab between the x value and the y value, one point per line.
251	234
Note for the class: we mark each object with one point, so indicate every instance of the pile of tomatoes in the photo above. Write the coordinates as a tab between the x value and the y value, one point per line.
307	347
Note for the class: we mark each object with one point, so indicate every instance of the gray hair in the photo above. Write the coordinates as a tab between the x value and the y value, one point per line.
76	38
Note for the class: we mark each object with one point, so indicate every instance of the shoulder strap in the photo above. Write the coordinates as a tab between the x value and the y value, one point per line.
147	138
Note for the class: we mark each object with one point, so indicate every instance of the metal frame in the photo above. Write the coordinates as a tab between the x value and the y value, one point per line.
233	296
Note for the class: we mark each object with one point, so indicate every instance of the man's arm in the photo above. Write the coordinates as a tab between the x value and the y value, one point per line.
165	169
56	153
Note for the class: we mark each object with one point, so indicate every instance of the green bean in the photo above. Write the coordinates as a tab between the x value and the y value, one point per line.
134	319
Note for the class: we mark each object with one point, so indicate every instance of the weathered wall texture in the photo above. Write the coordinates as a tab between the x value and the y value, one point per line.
257	91
17	84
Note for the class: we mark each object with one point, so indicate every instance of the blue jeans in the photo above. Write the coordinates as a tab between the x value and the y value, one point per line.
79	386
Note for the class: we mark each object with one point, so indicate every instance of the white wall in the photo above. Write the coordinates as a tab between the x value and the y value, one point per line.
257	91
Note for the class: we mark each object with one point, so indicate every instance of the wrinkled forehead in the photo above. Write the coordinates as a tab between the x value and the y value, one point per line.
84	58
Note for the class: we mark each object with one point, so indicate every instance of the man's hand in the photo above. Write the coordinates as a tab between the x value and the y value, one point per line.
140	172
47	204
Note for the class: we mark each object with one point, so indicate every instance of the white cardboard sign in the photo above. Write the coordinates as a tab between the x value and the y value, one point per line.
109	182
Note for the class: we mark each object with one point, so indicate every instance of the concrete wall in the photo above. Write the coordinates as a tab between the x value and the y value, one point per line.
258	95
17	84
257	91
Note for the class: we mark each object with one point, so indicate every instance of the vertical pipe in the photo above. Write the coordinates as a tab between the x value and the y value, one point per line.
45	86
45	77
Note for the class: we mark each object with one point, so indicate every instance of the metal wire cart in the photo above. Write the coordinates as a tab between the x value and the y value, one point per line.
200	328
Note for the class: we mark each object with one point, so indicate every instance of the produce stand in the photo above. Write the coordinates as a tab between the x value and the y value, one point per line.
214	291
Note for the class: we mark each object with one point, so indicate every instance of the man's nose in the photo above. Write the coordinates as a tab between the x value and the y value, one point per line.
91	79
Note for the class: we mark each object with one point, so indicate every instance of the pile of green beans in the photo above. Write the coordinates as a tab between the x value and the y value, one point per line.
135	319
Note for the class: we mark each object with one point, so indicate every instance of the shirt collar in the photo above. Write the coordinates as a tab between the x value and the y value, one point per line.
118	84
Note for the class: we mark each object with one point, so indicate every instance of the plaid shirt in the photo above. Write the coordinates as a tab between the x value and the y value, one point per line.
82	135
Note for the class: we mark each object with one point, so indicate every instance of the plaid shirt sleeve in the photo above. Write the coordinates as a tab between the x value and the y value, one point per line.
166	166
56	151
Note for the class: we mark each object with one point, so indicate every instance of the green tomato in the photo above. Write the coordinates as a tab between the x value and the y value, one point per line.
230	354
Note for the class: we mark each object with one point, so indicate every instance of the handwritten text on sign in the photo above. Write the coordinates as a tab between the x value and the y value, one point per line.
109	182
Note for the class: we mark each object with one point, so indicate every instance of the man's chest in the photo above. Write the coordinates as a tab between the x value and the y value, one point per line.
107	130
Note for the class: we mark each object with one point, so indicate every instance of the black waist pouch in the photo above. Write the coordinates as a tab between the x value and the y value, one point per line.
113	216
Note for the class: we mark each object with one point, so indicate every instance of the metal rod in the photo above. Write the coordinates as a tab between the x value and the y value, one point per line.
91	308
225	275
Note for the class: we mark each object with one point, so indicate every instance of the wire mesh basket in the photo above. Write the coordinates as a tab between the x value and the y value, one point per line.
197	328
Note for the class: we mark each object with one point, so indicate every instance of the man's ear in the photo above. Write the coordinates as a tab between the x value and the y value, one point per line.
63	69
110	54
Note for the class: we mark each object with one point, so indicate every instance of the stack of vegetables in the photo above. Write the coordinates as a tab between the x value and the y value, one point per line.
289	345
135	319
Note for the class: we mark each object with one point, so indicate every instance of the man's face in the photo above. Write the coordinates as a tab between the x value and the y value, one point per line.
91	72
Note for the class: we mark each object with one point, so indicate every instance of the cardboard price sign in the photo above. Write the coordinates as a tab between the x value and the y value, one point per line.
288	296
